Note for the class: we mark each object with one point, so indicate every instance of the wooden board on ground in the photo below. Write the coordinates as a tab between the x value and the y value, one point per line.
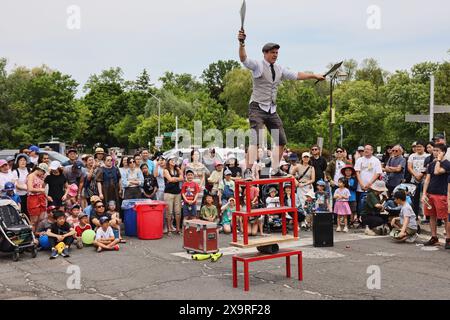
263	241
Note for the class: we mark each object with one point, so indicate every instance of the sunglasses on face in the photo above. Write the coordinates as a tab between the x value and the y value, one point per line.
315	149
131	161
98	207
339	151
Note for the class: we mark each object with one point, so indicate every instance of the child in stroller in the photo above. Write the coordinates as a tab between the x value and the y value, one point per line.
15	230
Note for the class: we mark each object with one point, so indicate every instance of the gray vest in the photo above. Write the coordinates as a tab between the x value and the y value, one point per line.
264	89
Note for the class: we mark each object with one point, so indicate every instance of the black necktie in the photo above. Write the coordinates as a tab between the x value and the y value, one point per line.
273	71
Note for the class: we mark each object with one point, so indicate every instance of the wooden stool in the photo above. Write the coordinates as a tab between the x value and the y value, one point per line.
251	257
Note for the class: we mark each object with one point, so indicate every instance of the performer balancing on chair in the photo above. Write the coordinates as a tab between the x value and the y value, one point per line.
267	76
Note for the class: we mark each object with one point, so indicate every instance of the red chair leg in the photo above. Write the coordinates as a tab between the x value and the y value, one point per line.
235	281
300	267
288	266
246	277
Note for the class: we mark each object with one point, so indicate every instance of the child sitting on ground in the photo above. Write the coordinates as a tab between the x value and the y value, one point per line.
227	215
60	232
406	223
45	224
104	237
72	217
83	225
209	210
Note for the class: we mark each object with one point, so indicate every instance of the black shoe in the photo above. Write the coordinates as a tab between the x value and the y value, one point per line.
447	243
65	253
54	254
439	223
248	174
432	241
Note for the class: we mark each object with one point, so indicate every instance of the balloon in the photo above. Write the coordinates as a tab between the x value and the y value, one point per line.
60	247
43	242
88	237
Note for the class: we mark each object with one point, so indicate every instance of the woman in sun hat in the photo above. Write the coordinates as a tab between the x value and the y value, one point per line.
99	157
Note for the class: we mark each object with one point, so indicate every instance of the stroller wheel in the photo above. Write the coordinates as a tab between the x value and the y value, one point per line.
16	255
34	252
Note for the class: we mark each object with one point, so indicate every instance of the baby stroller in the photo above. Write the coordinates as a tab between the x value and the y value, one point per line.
16	234
390	206
271	223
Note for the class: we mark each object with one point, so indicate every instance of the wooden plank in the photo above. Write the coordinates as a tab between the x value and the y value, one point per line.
263	211
263	241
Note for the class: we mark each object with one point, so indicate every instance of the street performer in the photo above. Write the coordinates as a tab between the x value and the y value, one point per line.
267	76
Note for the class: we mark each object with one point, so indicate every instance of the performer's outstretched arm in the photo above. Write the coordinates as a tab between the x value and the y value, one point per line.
308	76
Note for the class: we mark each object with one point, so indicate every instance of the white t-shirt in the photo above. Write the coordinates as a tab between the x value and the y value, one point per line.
339	165
417	162
367	168
104	234
272	202
4	178
20	179
407	211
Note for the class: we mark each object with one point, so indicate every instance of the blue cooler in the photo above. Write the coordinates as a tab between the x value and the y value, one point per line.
130	216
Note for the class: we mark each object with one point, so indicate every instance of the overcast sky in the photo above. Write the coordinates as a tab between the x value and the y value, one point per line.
187	35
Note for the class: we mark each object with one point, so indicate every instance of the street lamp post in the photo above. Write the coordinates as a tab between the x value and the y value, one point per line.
159	113
335	78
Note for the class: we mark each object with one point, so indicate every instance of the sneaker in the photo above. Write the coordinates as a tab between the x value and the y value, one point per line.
54	254
116	247
345	229
447	243
338	229
369	232
433	241
65	253
288	216
99	249
248	174
304	226
412	238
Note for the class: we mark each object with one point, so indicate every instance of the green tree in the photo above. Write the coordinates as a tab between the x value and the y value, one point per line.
214	75
237	91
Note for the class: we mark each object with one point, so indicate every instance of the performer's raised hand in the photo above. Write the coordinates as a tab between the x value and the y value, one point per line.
320	77
241	36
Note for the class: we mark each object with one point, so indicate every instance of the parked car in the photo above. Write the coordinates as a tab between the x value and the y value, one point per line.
51	154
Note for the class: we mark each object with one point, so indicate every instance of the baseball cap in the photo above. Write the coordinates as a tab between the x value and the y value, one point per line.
218	163
73	190
9	186
228	172
306	154
439	136
3	162
55	165
78	164
293	157
76	205
34	148
43	167
104	219
269	46
360	148
82	215
99	150
9	158
72	149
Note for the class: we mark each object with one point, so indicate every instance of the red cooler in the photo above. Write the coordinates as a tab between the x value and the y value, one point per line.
150	219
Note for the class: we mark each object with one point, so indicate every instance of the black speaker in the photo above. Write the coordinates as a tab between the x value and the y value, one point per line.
322	229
